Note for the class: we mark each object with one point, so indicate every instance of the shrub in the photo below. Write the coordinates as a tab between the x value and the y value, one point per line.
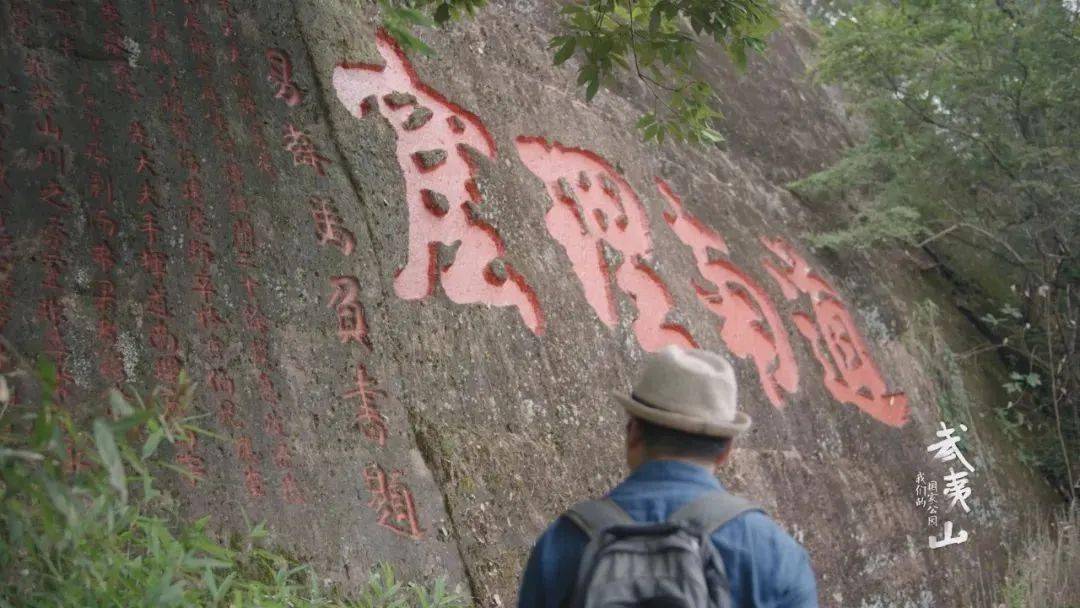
84	524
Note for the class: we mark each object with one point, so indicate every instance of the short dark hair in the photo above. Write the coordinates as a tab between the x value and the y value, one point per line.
662	441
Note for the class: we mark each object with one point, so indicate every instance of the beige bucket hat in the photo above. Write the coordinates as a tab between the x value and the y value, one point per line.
689	390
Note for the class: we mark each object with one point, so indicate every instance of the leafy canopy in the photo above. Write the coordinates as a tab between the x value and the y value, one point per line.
972	152
656	41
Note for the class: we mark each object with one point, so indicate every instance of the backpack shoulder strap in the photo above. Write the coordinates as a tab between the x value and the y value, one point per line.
593	516
711	510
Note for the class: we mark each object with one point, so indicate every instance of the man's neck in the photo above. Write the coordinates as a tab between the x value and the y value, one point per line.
698	462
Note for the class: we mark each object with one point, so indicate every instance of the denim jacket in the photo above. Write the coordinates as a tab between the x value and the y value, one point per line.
766	567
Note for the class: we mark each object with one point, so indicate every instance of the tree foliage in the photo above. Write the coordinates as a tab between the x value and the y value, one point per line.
656	41
973	116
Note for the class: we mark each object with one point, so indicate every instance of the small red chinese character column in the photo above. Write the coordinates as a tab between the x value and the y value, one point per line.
53	198
850	373
443	200
7	280
598	219
750	325
7	242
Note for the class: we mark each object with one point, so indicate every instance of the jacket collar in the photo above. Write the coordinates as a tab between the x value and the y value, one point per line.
674	471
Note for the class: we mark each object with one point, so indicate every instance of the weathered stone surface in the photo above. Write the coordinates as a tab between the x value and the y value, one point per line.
429	159
418	118
397	99
194	186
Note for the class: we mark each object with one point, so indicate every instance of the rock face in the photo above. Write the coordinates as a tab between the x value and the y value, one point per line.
406	289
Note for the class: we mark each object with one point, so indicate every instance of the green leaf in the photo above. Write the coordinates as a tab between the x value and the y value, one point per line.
737	52
119	404
46	373
566	51
110	457
152	442
442	13
655	17
590	91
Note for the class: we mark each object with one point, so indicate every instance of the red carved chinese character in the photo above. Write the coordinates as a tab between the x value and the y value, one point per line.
600	222
106	331
193	190
105	224
267	392
50	310
166	370
281	76
156	305
154	263
259	352
228	415
282	458
371	421
750	325
253	481
41	98
850	373
208	319
235	174
145	163
191	22
103	257
193	465
51	193
303	150
162	339
104	296
393	502
147	196
204	285
273	424
160	56
53	265
290	492
137	135
328	228
48	128
243	236
244	451
215	346
250	284
345	299
109	13
200	48
221	382
196	218
440	190
237	203
255	320
52	155
94	152
200	252
150	228
35	68
99	186
75	461
111	367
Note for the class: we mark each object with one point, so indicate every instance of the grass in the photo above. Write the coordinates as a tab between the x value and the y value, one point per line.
1045	571
83	523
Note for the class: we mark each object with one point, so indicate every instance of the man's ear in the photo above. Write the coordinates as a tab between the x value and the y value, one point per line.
633	432
722	457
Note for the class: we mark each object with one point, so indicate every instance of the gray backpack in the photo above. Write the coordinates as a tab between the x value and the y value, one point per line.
672	564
